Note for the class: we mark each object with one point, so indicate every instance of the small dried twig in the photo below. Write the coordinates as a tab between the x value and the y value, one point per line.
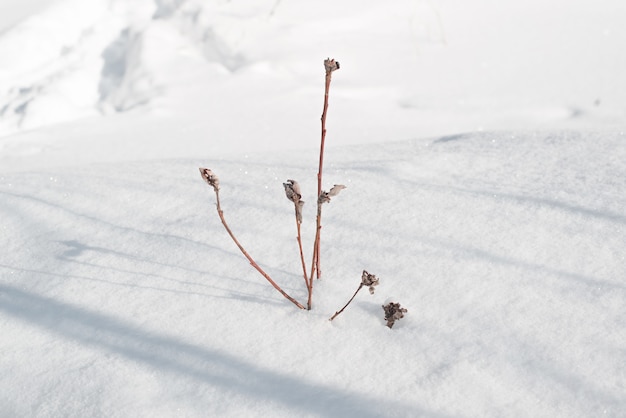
213	181
330	65
393	312
292	191
366	280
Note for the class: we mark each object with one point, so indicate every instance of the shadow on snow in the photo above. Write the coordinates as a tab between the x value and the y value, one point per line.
230	374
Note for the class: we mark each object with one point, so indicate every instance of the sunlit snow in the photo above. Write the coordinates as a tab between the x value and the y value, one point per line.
483	149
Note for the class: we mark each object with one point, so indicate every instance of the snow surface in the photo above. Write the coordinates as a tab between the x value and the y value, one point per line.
483	148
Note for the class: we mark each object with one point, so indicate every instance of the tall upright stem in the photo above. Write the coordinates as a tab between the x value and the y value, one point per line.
330	66
315	251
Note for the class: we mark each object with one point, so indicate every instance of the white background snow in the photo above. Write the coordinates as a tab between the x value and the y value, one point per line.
483	148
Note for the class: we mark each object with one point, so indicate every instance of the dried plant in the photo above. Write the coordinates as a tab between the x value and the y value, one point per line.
293	193
393	312
367	279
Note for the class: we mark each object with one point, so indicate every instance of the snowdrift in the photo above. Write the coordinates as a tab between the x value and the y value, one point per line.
122	295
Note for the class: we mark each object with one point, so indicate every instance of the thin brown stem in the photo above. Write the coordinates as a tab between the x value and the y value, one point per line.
245	253
330	66
306	279
346	305
316	249
315	260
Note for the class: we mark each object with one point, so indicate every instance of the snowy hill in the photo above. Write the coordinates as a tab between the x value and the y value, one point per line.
483	150
180	73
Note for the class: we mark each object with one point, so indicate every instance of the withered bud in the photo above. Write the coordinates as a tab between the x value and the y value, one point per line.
369	280
393	312
331	65
325	196
336	189
292	191
211	179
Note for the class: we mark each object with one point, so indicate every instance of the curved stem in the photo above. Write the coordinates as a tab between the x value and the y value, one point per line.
346	305
250	259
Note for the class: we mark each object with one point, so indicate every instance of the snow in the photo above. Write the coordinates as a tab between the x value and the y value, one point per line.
482	146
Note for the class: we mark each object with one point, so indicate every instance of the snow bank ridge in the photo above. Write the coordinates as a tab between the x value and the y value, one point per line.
80	58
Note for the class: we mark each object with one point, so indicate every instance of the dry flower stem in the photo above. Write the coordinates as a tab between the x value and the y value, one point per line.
366	280
292	192
346	305
315	262
330	66
309	285
245	253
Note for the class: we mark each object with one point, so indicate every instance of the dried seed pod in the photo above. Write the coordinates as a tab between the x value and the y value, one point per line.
336	189
369	280
292	190
331	65
393	312
211	179
325	196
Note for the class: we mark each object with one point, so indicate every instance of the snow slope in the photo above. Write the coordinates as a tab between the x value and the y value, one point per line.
482	146
122	295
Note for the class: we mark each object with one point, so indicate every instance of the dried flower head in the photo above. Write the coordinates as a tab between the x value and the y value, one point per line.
331	65
325	196
393	312
211	179
369	280
292	191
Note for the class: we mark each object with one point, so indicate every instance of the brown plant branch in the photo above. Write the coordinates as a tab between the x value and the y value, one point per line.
307	282
213	181
366	280
330	65
346	305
